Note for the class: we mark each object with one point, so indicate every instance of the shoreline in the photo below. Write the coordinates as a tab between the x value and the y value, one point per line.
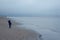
16	33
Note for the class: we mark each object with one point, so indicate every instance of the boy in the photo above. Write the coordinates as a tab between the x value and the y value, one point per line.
9	22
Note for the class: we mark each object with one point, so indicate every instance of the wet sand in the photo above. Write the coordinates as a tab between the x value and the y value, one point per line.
16	33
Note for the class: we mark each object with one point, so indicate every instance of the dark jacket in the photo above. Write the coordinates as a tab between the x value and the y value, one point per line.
9	22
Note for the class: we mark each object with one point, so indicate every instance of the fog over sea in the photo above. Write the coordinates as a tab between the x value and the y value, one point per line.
48	27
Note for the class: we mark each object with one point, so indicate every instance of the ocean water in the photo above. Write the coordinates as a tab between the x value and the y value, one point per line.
48	27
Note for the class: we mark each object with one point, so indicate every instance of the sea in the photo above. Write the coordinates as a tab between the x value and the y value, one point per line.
48	27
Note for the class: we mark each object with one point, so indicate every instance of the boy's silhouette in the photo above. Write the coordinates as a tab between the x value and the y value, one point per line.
9	22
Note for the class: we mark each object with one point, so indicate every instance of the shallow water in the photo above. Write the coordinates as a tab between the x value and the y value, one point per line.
49	27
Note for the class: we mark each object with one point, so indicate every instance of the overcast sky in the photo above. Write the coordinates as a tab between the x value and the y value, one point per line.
34	7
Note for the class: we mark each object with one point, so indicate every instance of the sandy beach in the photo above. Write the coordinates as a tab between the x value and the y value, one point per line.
16	33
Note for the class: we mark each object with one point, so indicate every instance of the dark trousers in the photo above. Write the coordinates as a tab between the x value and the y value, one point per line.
9	25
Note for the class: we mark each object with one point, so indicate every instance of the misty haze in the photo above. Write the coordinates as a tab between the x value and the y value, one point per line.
29	19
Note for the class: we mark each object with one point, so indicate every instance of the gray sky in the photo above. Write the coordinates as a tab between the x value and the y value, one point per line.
44	7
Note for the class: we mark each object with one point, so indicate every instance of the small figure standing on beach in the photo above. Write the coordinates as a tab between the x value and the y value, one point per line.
9	22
